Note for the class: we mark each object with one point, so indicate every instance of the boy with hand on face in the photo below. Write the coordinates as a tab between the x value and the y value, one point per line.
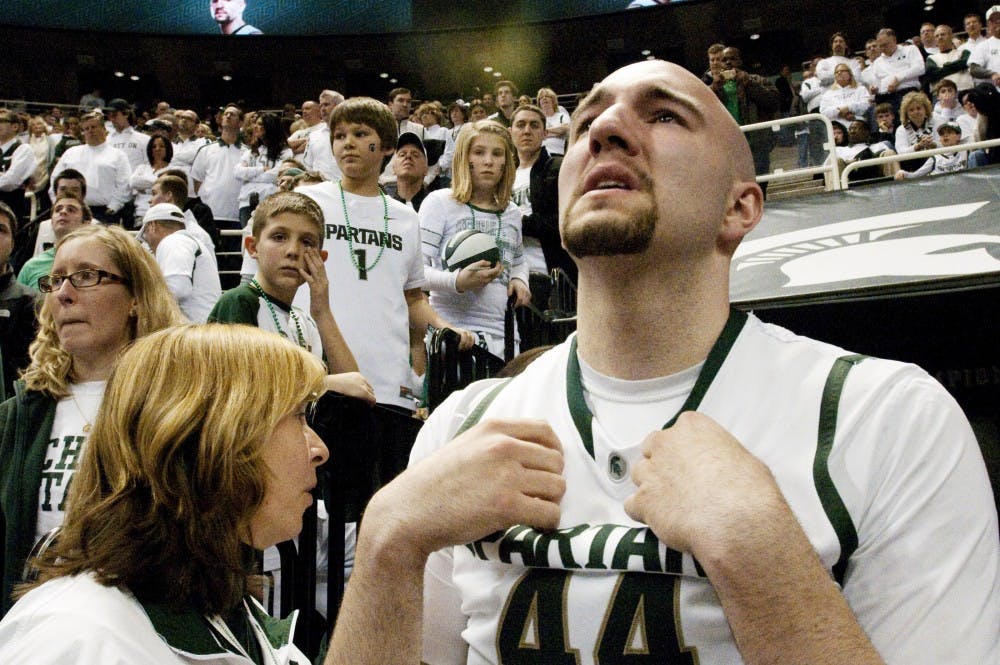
286	241
885	124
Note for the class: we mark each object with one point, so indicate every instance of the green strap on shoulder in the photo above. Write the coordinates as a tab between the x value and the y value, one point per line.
833	505
477	413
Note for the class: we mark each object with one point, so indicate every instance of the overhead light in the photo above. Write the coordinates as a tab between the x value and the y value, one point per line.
645	51
393	80
383	75
497	74
120	74
755	36
650	57
134	77
928	2
928	8
227	77
487	69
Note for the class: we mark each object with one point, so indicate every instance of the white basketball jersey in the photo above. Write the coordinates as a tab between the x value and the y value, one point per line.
603	589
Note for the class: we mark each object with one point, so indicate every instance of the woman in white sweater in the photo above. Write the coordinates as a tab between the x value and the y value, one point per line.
475	297
846	100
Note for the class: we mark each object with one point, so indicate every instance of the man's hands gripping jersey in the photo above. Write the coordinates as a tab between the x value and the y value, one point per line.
496	474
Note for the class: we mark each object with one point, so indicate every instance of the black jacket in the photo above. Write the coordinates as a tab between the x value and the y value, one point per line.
543	222
17	329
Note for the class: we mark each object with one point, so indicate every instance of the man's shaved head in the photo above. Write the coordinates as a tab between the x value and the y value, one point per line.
652	146
732	139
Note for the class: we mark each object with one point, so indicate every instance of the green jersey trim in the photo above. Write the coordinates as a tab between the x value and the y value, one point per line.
832	503
477	413
582	417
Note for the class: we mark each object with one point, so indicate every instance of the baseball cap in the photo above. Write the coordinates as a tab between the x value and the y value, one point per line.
409	138
162	212
995	9
118	104
953	126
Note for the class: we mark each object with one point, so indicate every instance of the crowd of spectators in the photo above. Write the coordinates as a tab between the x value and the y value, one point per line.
905	92
898	97
437	169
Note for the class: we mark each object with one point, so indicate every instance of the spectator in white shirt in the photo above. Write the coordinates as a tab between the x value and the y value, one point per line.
213	170
826	68
897	71
312	116
917	131
17	165
187	263
949	62
159	152
187	143
845	99
974	30
984	63
319	150
556	122
122	134
105	168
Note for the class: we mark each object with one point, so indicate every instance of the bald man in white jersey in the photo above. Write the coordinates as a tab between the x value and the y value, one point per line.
679	482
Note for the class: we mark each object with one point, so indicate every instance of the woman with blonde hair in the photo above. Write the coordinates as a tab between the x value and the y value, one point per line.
187	472
845	100
104	291
435	138
556	121
43	146
475	297
916	129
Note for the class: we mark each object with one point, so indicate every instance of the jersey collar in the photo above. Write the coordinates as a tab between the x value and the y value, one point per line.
582	417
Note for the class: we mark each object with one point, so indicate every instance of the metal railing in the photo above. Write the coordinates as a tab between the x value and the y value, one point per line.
835	178
829	168
238	233
922	154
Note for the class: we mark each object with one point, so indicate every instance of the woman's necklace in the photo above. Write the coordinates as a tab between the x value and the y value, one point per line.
256	288
89	425
360	254
499	221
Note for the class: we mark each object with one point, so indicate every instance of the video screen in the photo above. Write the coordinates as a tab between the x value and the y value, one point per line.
244	18
214	17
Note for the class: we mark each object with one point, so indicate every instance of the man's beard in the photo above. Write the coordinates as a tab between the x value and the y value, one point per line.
610	235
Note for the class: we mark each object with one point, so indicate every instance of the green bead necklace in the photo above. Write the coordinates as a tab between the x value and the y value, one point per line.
362	269
499	215
256	288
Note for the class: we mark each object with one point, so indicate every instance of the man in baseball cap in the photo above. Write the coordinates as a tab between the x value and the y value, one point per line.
410	167
187	263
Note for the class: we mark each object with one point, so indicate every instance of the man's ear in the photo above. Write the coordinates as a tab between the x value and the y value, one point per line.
743	210
250	243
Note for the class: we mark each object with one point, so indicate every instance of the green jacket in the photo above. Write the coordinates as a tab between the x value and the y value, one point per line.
25	425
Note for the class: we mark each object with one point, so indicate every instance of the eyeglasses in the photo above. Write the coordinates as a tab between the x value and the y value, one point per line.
81	279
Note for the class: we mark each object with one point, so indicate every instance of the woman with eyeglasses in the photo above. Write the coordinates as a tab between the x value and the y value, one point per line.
102	292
